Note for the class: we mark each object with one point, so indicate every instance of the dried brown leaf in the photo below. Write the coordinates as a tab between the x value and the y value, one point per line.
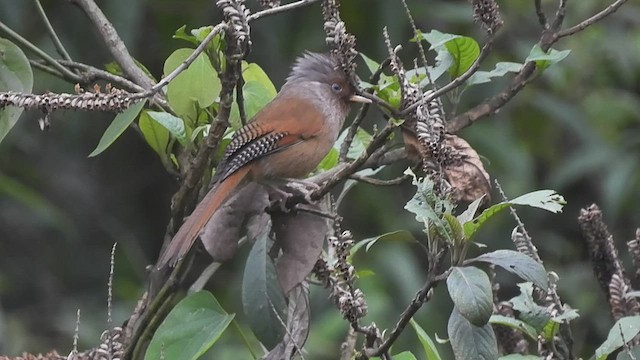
465	171
297	325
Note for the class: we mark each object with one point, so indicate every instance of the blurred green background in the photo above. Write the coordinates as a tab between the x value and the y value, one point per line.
576	130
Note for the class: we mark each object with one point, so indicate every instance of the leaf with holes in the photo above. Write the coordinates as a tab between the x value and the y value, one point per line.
529	311
624	330
518	264
190	329
470	290
15	75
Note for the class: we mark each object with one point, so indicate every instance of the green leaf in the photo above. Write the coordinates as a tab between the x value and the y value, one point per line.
465	51
190	329
518	264
261	295
253	72
470	212
257	92
501	69
530	312
469	341
544	60
399	235
197	86
515	324
405	355
631	354
15	75
181	33
428	344
520	357
626	328
174	124
119	124
330	160
470	290
544	199
361	141
371	64
154	134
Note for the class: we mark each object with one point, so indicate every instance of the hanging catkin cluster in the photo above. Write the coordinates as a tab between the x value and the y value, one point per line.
236	15
115	100
487	13
343	44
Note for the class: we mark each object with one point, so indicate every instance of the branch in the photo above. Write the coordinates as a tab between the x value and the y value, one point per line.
592	20
281	8
542	18
373	181
113	42
52	33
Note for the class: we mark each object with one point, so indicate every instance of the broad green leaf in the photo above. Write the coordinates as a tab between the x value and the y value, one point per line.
465	51
253	72
426	206
119	124
428	344
544	60
470	212
190	329
400	235
15	75
626	328
469	341
262	298
330	160
518	264
175	125
631	354
544	199
437	38
197	86
181	33
156	135
501	69
257	92
515	324
456	233
520	357
470	290
530	312
405	355
371	64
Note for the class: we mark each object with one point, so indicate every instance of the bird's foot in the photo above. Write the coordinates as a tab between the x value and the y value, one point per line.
282	193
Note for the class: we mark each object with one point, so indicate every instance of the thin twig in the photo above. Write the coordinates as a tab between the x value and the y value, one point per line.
353	129
38	52
52	33
112	265
240	96
542	18
281	8
592	20
45	68
423	56
114	43
373	181
560	13
486	49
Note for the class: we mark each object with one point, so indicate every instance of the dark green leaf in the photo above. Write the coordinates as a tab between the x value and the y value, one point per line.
465	51
470	290
262	299
405	355
181	33
469	341
544	60
190	329
515	324
119	124
428	344
197	86
626	328
470	212
501	69
156	135
258	91
15	75
530	312
518	264
175	125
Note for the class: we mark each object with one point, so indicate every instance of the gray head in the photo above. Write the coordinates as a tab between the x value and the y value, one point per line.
323	69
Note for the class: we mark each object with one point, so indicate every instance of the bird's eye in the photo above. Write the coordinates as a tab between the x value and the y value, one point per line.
336	87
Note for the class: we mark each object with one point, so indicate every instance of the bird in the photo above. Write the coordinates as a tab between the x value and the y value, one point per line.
286	139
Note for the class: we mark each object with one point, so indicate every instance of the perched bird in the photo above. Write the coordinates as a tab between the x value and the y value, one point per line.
287	139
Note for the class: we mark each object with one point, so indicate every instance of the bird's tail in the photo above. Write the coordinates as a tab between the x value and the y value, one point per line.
191	228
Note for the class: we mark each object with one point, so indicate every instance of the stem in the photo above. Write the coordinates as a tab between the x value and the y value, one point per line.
52	33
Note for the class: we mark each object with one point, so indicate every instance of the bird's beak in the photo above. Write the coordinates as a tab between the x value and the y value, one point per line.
360	99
